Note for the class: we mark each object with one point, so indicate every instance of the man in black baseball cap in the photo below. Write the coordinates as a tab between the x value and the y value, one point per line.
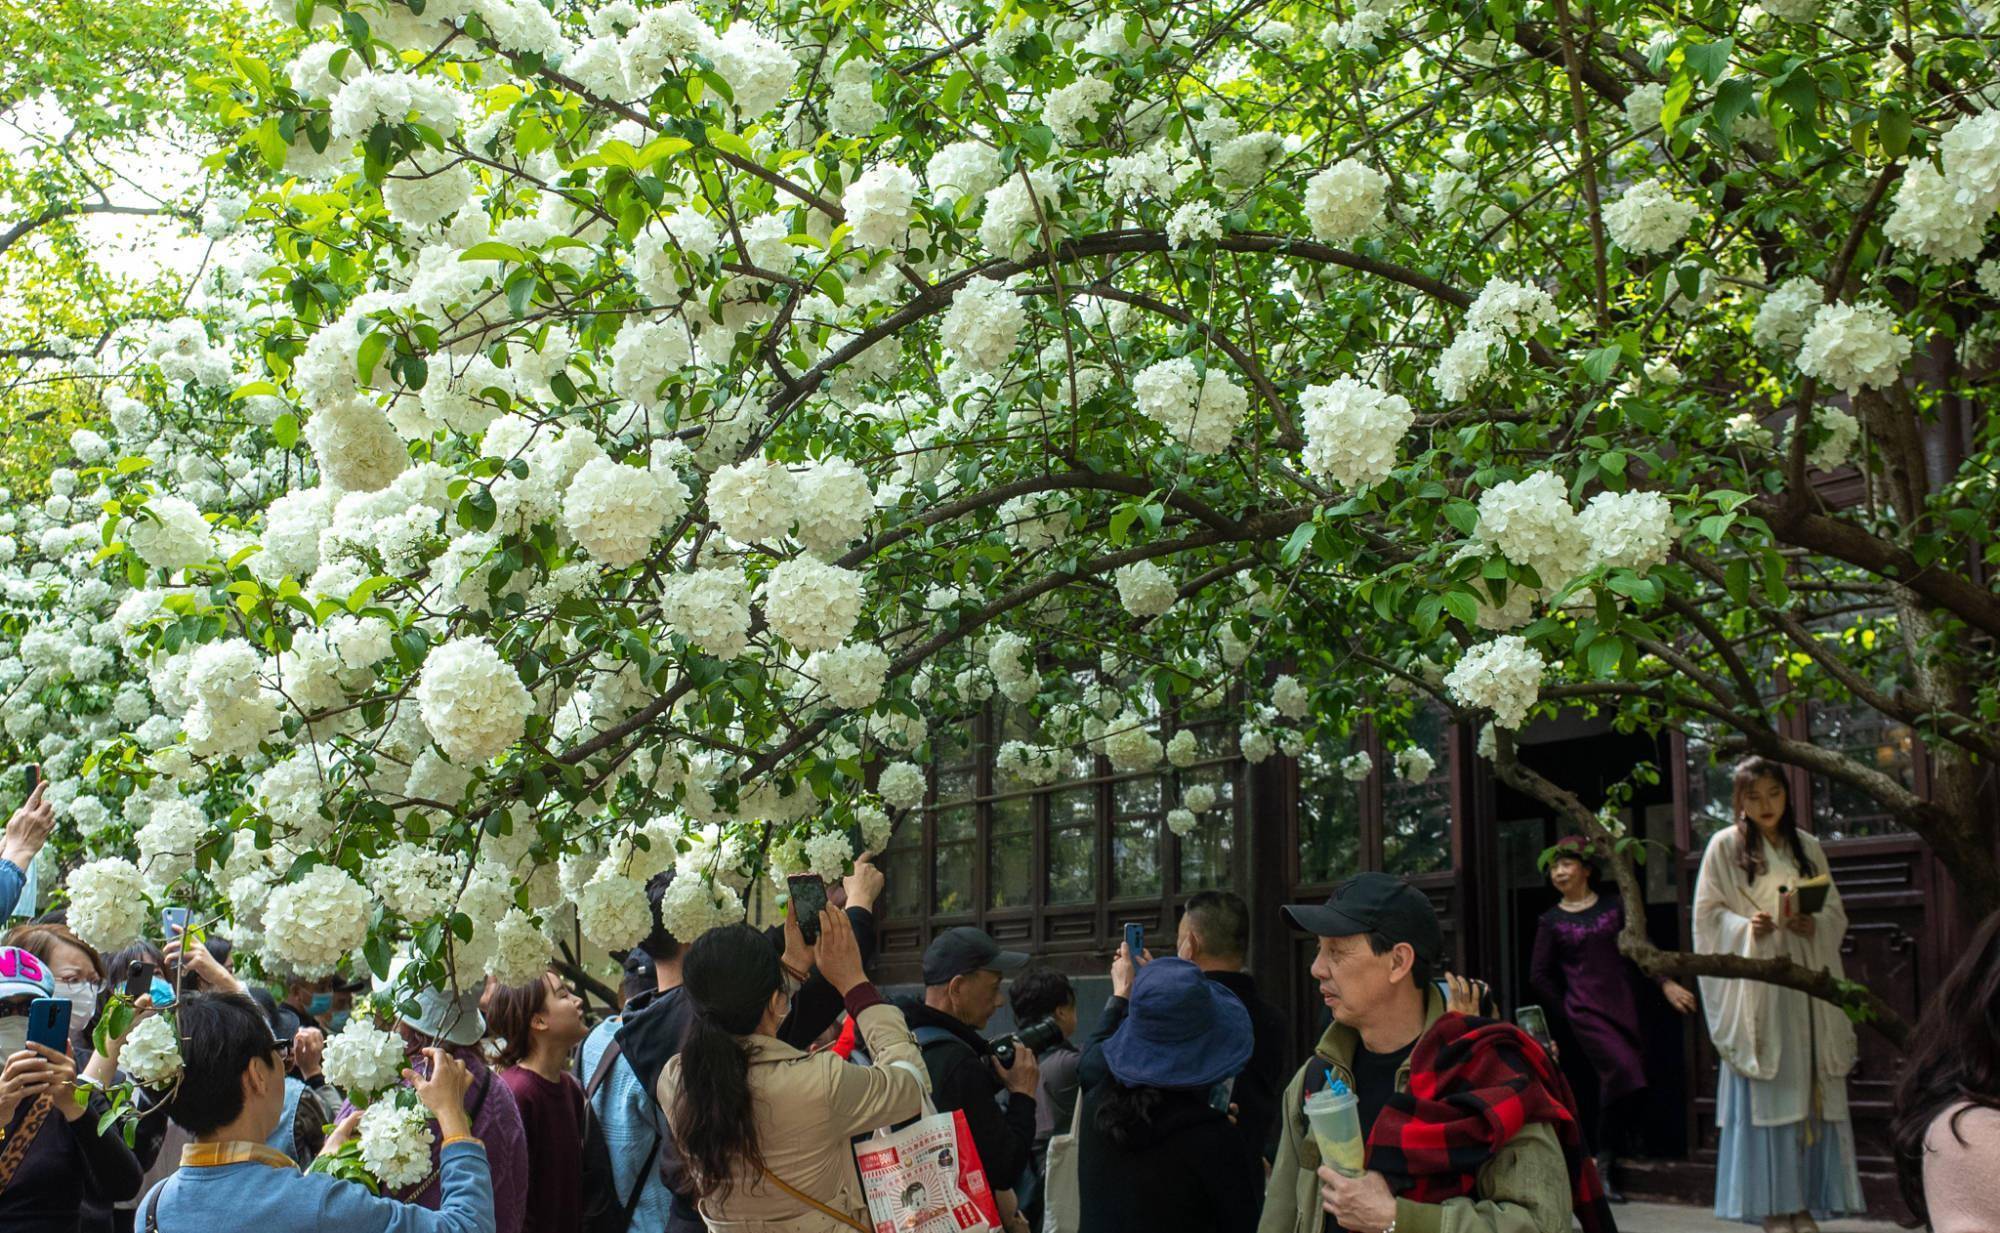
962	972
1380	948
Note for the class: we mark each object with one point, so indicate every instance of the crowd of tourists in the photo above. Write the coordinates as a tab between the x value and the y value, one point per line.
730	1088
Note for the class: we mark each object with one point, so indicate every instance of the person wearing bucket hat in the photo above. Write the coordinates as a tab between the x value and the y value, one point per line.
1435	1160
53	1157
1579	973
1156	1149
448	1017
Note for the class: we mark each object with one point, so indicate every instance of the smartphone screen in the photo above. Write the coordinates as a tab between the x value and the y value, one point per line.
34	777
139	979
1135	939
1533	1021
48	1023
174	920
808	901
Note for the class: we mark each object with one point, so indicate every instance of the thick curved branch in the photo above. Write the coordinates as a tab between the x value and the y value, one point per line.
1835	537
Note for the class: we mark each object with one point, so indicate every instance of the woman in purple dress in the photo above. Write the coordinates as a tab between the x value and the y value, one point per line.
1578	968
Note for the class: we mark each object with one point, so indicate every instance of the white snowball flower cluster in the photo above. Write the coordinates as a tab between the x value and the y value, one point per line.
1182	822
1531	523
613	912
1781	321
901	785
415	882
1290	698
833	506
362	1058
1343	202
1511	309
371	98
1192	223
828	855
646	354
1011	659
1255	743
1414	764
1643	105
152	1052
693	905
811	604
1928	217
1145	589
1020	762
1352	431
315	922
168	841
1463	364
1068	108
879	206
1128	745
356	447
427	190
395	1142
1630	530
1200	410
1011	225
521	950
852	675
963	169
752	501
1503	676
1647	218
1184	749
1852	347
1843	432
107	903
710	608
168	532
615	512
1357	766
983	324
472	701
1199	798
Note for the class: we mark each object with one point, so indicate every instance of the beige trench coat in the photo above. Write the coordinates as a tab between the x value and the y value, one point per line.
808	1107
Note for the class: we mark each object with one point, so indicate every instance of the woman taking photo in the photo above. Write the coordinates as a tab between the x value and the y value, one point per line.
763	1129
1578	968
1786	1149
1946	1138
1155	1150
532	1030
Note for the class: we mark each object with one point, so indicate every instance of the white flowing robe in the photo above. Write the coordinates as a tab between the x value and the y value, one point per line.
1771	1035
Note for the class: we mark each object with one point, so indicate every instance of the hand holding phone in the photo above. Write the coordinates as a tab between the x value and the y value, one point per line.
175	921
808	901
139	979
1135	939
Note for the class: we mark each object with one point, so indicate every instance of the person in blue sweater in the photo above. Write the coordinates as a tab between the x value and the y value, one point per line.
230	1098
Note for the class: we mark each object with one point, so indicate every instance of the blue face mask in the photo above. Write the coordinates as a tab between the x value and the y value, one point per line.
163	993
322	1005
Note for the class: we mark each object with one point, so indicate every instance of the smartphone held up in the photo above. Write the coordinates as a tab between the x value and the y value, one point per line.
808	892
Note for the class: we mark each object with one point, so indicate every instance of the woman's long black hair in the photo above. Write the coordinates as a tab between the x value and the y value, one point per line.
728	977
1124	1113
1750	857
1955	1060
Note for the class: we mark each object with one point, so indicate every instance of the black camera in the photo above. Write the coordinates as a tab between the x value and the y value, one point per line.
1038	1036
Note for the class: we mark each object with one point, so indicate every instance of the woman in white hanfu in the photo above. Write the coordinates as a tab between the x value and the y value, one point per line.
1785	1152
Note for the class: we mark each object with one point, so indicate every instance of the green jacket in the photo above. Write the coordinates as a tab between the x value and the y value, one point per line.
1523	1189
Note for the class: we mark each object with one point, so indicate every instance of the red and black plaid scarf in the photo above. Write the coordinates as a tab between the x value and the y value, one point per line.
1474	1083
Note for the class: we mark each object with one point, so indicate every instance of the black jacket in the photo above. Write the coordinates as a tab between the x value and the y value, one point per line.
962	1078
1186	1169
1260	1088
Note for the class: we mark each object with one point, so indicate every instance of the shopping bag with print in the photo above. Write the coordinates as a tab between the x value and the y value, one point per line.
926	1178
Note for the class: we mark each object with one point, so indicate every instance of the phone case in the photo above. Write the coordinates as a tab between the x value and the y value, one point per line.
48	1023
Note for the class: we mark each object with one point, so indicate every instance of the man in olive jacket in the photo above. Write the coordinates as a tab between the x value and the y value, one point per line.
1379	947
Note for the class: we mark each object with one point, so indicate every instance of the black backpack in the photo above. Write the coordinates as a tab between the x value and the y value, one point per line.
603	1210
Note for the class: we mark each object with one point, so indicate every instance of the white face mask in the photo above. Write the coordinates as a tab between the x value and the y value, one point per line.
13	1035
82	996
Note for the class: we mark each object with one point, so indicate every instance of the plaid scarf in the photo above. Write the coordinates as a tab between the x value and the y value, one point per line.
1474	1083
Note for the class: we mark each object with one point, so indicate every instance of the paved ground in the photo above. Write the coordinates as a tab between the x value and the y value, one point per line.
1679	1218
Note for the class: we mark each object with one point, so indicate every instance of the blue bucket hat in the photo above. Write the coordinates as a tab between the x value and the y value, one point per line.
1182	1030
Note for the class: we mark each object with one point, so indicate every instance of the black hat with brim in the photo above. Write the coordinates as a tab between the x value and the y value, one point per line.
964	950
1375	903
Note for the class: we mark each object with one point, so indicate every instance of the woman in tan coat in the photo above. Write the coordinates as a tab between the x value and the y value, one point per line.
763	1129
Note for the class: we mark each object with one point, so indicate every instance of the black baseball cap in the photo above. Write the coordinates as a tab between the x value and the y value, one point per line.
1376	903
964	950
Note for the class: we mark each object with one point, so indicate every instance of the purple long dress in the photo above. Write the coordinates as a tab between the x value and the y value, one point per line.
1577	966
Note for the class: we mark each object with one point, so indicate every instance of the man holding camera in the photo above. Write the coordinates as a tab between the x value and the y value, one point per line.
962	971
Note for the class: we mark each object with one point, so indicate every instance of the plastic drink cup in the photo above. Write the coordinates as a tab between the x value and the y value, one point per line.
1335	1117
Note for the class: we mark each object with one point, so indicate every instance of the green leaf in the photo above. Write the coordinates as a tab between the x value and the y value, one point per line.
1710	60
1893	126
954	86
1736	581
1602	362
1300	539
285	430
1463	606
370	355
1605	654
493	250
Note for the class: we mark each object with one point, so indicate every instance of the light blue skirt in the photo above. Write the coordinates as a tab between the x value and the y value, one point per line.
1771	1171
